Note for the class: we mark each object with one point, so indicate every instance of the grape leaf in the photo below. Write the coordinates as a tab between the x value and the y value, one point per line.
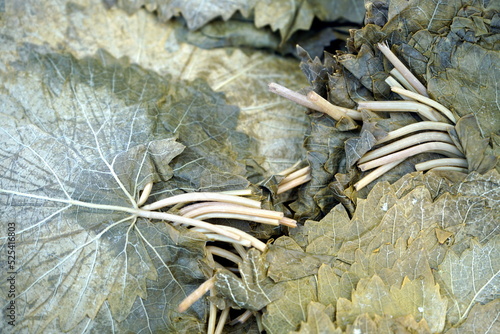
81	139
416	298
481	319
286	313
195	14
285	16
254	289
318	320
471	277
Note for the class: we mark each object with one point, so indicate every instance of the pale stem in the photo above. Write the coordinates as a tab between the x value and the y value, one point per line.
438	106
222	320
188	208
238	192
451	169
242	318
241	251
218	237
217	207
392	82
210	260
292	96
224	253
436	147
288	222
400	106
289	170
196	294
220	266
294	183
212	318
145	194
376	174
261	220
406	142
331	110
419	87
201	196
445	162
254	241
401	79
187	221
296	174
419	126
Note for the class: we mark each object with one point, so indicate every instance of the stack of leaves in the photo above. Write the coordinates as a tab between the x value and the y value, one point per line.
257	23
435	134
440	51
96	153
421	255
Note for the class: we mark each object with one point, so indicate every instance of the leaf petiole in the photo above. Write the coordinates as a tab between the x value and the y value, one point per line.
398	64
425	100
196	294
201	196
423	137
400	106
436	147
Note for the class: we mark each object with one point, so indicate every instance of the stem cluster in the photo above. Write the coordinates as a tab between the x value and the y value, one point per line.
431	135
192	209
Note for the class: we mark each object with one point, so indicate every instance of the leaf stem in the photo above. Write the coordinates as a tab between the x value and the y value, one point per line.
400	79
74	202
445	162
224	253
290	170
437	147
294	183
296	174
242	318
196	294
254	241
419	126
199	209
438	106
187	221
222	320
238	192
392	82
451	169
201	196
376	174
212	318
292	96
288	222
406	142
332	110
145	194
218	237
228	215
400	106
398	64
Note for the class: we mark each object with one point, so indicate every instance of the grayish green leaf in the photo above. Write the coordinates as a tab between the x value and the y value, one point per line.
470	277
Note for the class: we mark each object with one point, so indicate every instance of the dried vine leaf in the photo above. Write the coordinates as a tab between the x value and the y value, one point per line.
481	319
254	290
285	16
286	313
416	298
81	138
318	320
471	277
